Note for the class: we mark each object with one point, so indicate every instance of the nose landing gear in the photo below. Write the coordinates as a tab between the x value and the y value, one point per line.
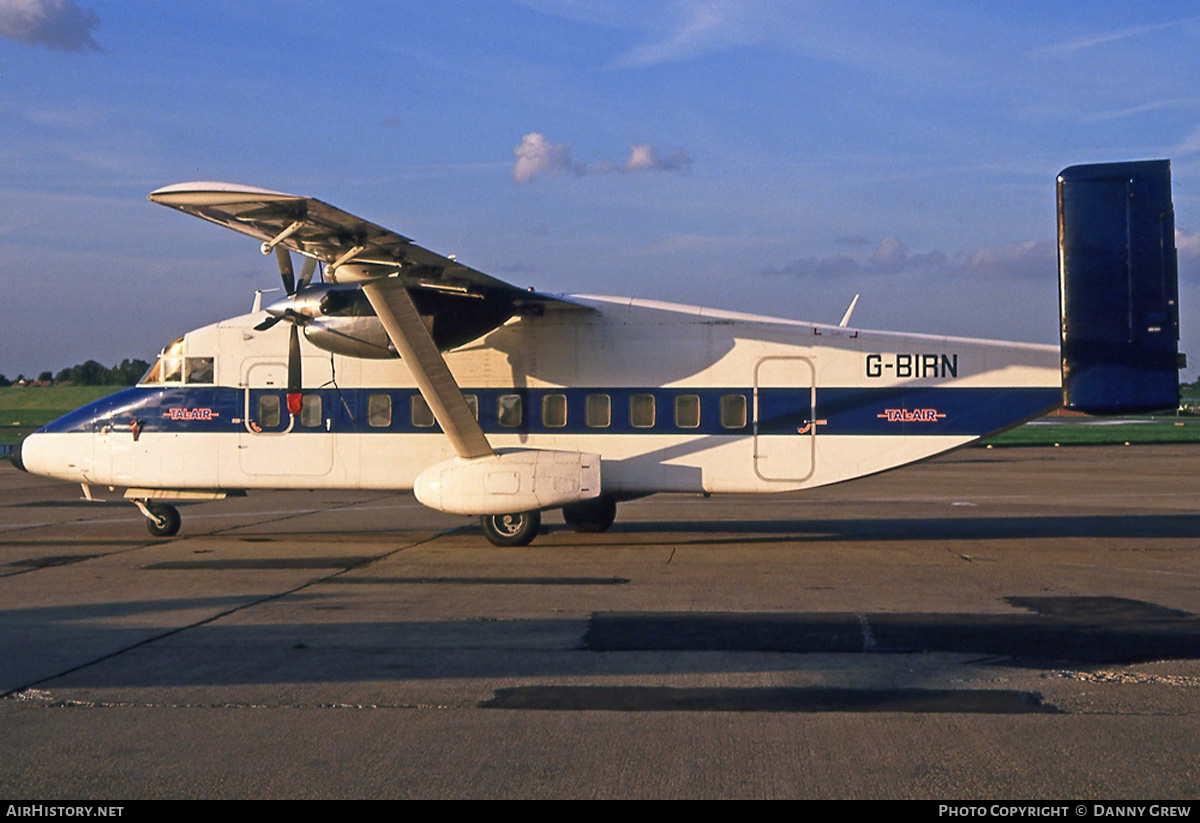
162	520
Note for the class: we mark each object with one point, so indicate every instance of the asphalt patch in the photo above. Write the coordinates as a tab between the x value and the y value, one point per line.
53	560
264	564
486	581
768	699
1076	629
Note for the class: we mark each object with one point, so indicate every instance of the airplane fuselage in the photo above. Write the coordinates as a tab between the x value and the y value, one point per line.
673	399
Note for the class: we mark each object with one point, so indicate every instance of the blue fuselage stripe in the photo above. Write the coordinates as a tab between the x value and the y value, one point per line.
899	410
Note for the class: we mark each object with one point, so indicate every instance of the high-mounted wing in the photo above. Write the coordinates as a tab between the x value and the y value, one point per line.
390	268
358	249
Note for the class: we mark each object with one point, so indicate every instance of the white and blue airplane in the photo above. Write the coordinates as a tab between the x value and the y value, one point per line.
403	369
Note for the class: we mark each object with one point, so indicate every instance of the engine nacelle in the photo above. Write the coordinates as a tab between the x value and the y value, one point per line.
510	482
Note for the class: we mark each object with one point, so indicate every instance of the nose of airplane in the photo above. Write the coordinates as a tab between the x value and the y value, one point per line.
43	454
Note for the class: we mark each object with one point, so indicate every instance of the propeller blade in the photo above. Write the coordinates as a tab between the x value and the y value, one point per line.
285	269
294	380
268	323
306	273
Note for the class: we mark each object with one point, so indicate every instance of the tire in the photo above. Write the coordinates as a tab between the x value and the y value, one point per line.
591	516
511	529
166	520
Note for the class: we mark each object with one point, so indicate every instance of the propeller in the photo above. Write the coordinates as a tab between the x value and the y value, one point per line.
295	379
284	257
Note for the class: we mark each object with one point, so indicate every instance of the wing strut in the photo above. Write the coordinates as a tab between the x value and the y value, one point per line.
413	341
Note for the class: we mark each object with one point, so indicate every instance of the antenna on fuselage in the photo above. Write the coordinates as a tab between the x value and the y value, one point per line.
849	311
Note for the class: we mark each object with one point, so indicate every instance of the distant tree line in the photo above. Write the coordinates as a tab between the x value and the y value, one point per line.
91	373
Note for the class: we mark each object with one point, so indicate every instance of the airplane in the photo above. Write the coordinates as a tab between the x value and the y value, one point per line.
403	369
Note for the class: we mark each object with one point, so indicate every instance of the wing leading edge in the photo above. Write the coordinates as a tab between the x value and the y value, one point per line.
354	249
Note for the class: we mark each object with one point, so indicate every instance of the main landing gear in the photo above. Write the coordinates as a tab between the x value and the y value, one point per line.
162	519
589	517
511	529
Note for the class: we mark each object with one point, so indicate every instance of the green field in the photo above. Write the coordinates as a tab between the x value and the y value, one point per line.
1096	432
27	409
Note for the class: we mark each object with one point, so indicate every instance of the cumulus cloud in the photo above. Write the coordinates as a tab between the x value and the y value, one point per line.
56	24
1187	244
1033	259
1187	251
537	155
1026	260
647	157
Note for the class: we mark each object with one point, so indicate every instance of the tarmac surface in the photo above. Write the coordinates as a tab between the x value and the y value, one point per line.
1006	623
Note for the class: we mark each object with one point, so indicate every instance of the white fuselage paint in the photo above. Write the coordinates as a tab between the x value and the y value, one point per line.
881	400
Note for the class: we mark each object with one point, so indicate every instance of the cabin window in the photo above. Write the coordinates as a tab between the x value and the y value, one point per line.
268	411
733	411
687	411
508	410
379	411
641	411
472	404
198	370
310	411
554	411
422	415
599	411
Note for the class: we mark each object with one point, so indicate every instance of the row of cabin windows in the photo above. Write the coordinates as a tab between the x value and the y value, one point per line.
597	411
510	411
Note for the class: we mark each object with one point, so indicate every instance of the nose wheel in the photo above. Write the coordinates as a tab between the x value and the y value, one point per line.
162	520
511	529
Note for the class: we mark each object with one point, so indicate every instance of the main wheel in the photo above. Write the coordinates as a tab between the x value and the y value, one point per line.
511	529
591	516
165	522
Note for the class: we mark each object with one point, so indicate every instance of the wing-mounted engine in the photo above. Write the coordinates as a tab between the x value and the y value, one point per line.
340	319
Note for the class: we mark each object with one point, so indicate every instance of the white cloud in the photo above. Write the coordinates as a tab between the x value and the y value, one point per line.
1187	252
645	157
537	155
1105	37
1189	145
1187	245
695	28
55	24
1028	260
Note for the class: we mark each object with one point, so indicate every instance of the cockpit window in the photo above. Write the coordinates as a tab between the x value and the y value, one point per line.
173	367
198	369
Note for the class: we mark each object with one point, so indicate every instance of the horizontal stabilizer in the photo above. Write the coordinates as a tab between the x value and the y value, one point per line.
1118	288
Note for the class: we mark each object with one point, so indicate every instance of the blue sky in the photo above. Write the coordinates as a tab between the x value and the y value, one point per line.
774	157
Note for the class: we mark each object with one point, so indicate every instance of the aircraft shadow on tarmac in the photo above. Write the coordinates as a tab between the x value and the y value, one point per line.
1047	632
900	528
